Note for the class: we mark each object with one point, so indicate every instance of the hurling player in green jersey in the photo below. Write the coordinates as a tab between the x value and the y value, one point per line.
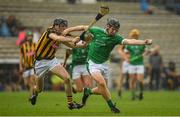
80	73
136	67
103	42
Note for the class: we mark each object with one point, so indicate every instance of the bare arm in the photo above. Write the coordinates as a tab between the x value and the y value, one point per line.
137	42
75	28
63	38
68	53
122	53
20	63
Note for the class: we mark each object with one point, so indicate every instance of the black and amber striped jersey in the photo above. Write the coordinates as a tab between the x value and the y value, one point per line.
46	47
27	50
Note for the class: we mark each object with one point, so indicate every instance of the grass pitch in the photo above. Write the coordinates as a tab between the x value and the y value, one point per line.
160	103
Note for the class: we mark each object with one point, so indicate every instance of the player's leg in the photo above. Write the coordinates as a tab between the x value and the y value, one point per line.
77	78
132	81
25	76
87	81
31	78
93	68
120	84
100	89
96	71
132	85
82	82
60	71
96	90
37	87
124	70
140	77
38	84
79	84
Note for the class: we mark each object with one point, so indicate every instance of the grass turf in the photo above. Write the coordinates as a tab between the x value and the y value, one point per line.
162	103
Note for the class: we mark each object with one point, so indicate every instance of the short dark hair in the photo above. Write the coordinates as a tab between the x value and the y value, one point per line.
60	21
113	22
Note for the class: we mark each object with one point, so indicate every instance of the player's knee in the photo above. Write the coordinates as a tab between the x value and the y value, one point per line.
102	83
66	80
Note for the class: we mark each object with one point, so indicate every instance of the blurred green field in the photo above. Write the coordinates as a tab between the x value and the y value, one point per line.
160	103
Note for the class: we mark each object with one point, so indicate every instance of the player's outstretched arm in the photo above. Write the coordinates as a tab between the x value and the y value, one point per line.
137	42
122	53
75	28
63	38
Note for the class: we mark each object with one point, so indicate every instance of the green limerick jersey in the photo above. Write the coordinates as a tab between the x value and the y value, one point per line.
136	52
79	56
102	44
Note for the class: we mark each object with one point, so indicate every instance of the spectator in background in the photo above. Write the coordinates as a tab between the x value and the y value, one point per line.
71	1
15	79
155	67
13	25
145	7
10	26
170	76
4	30
2	81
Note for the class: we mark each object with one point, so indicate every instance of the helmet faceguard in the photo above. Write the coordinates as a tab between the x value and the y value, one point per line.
113	22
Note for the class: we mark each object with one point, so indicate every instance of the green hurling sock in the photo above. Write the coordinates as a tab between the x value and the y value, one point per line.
89	91
110	103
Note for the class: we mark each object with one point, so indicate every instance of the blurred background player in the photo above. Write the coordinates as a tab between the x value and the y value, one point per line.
136	67
155	68
99	51
80	74
124	73
46	60
27	49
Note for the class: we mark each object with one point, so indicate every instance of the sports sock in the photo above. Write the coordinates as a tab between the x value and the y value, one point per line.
110	103
69	99
89	91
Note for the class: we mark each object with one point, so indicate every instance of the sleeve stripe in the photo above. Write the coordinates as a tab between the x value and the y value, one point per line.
122	42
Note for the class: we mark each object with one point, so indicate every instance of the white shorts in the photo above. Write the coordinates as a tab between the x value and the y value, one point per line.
136	69
78	71
125	67
44	66
28	73
102	68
